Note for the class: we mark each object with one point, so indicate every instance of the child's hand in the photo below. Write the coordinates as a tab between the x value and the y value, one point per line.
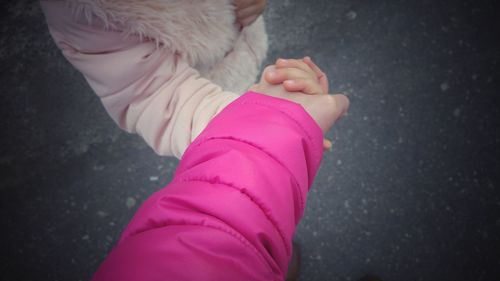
247	11
324	109
299	76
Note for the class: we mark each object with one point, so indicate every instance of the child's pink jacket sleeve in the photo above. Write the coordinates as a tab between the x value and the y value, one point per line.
234	203
147	90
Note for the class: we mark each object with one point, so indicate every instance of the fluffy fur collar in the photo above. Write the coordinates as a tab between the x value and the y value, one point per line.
200	30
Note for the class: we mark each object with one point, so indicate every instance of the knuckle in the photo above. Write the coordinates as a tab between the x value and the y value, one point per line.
269	68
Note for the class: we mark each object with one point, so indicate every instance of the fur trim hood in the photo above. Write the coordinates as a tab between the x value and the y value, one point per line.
202	31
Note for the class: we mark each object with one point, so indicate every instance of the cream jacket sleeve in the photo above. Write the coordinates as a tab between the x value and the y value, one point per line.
147	90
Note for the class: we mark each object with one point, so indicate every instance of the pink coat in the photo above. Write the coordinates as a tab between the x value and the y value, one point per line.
232	208
162	68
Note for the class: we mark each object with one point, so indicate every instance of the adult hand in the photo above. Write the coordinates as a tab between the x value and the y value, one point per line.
247	11
325	109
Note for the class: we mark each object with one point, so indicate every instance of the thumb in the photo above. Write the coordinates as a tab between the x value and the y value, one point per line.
328	109
341	105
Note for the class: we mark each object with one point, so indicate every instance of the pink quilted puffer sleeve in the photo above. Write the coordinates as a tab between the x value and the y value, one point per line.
147	90
234	203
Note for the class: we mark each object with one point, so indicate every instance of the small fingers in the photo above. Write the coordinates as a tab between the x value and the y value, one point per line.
306	86
277	76
294	79
308	61
294	63
323	79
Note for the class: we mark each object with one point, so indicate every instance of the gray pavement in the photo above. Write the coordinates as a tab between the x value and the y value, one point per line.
410	191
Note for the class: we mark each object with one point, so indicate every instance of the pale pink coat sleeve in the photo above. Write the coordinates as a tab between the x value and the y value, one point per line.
146	90
232	208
